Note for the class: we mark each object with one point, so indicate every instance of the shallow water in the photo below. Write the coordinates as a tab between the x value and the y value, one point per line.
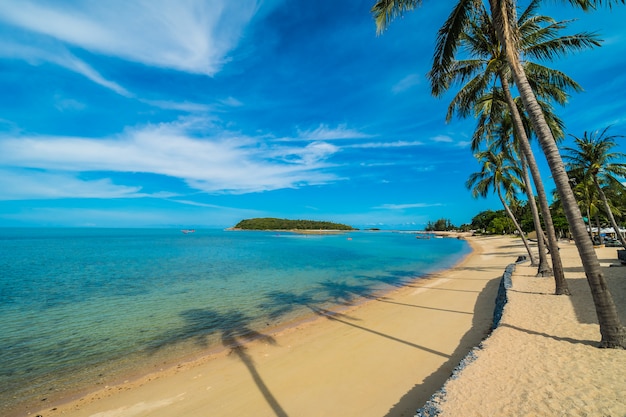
86	306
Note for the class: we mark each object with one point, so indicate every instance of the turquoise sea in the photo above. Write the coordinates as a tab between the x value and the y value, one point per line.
86	307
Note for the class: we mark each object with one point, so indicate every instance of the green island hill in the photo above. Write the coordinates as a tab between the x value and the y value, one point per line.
271	223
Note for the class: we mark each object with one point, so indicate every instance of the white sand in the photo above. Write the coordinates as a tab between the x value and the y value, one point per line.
543	359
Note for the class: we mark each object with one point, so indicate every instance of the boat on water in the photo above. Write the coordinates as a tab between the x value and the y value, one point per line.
187	231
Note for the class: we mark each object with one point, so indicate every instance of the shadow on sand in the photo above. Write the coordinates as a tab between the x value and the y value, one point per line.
481	326
234	330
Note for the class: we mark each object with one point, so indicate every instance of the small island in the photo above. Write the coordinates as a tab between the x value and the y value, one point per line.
302	226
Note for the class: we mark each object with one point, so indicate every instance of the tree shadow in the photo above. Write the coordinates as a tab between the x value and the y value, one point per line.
582	300
233	329
280	302
481	326
557	338
344	293
397	279
385	300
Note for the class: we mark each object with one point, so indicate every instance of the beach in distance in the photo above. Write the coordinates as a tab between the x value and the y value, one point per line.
387	354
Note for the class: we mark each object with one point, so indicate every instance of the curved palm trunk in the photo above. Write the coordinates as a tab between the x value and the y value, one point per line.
599	227
543	269
557	266
612	331
517	226
609	212
589	222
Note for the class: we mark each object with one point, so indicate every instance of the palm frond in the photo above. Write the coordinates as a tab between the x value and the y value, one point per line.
385	11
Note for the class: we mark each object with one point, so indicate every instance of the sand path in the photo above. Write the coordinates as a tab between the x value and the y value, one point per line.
383	358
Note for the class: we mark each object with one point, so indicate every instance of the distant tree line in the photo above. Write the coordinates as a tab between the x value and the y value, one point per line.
441	225
271	223
498	222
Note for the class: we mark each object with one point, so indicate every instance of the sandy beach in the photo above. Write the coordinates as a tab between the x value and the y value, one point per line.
542	360
383	357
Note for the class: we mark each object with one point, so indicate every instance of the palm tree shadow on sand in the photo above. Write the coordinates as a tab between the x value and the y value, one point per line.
234	330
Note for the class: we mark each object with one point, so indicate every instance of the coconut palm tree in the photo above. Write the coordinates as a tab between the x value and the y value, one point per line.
503	13
539	35
498	172
592	157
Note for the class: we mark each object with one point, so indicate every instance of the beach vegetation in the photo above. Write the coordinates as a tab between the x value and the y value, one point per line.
593	164
504	18
480	222
441	225
492	222
499	173
271	223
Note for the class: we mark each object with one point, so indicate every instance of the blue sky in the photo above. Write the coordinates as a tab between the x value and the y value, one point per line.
154	113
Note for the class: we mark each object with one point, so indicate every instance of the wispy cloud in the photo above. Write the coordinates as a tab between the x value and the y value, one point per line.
59	55
324	132
182	106
407	206
220	163
407	83
442	139
396	144
27	184
194	36
451	141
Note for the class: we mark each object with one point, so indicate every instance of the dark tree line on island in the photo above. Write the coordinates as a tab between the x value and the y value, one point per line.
271	223
490	51
498	222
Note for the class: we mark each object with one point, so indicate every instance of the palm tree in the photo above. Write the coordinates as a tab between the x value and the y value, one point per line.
498	172
538	38
592	158
503	13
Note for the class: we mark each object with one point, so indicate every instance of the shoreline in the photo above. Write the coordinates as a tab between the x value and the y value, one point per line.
168	364
108	397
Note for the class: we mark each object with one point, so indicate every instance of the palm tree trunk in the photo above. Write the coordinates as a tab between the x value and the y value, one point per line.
543	268
609	212
557	267
589	222
612	331
517	226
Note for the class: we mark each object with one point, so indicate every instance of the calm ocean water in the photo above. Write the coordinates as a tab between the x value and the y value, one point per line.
81	307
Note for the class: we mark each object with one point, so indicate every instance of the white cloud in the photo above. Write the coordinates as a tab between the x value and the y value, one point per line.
182	106
323	132
59	55
406	206
193	36
396	144
223	163
442	139
407	83
26	184
65	104
231	102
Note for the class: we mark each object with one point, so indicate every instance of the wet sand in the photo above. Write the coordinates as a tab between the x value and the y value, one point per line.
385	357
